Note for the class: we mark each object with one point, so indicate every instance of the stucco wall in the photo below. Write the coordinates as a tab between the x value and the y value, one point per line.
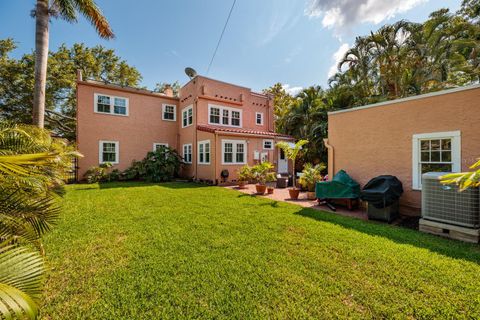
374	141
135	133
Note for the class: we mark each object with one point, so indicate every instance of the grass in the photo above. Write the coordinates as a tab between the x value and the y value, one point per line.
139	251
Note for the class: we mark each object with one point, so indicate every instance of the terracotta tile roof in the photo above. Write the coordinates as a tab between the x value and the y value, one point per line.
220	129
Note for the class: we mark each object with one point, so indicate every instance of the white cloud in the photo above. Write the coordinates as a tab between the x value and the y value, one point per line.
292	90
336	57
342	15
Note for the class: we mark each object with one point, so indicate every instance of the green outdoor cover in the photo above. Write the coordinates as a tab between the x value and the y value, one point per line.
340	187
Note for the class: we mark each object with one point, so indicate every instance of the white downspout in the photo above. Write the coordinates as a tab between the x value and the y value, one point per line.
330	158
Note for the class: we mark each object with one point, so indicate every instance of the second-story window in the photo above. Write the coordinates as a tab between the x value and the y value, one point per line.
214	115
187	117
259	118
225	116
111	105
169	112
236	118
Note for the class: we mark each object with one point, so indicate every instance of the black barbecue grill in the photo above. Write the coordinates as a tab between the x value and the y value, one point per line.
382	194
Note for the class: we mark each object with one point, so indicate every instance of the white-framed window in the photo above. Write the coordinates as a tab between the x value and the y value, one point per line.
169	112
268	144
224	116
158	145
187	116
435	152
203	152
259	118
110	104
108	151
234	152
187	153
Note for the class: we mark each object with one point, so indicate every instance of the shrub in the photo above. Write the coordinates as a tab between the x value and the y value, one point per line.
98	174
311	175
161	165
262	172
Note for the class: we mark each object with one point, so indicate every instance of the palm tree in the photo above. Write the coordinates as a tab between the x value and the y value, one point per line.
32	166
292	151
67	10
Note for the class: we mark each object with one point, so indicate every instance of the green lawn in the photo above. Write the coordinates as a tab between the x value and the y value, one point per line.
139	251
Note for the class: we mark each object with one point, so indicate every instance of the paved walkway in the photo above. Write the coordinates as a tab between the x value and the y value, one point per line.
283	195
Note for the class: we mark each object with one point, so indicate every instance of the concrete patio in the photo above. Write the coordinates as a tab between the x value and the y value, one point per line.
283	195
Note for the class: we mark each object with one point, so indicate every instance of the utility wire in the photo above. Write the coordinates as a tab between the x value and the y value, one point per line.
221	36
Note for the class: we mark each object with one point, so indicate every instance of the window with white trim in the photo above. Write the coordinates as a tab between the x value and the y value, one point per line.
111	104
268	144
259	118
224	116
204	152
108	152
187	153
187	116
435	152
169	112
158	145
234	152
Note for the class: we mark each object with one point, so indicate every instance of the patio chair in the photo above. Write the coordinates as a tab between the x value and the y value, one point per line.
342	186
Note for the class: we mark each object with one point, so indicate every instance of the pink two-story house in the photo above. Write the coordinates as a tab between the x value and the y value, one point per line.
214	126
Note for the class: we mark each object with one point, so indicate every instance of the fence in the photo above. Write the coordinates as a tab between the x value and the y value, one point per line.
73	173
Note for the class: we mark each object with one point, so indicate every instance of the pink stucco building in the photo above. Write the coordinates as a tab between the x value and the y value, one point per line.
407	137
214	125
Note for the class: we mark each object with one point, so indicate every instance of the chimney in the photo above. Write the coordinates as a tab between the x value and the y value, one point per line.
168	91
79	75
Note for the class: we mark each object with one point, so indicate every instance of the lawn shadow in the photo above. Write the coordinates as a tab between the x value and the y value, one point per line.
451	248
142	184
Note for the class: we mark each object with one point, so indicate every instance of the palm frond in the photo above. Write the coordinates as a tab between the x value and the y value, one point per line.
21	277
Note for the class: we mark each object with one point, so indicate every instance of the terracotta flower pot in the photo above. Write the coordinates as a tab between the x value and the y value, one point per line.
242	184
294	192
270	190
311	195
261	188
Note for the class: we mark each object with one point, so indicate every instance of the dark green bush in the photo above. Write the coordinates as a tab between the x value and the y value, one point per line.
161	165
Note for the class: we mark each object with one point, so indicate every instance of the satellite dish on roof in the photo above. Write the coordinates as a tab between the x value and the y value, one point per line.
191	73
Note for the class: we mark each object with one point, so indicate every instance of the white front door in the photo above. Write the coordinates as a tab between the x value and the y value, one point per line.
282	162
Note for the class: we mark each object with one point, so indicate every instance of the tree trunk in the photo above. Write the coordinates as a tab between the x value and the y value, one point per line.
41	58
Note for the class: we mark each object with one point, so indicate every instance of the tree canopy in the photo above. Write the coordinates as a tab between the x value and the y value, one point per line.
17	82
398	60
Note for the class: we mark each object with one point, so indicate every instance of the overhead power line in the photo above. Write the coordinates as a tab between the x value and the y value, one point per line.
221	36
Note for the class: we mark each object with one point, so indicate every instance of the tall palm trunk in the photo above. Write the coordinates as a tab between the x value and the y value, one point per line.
41	57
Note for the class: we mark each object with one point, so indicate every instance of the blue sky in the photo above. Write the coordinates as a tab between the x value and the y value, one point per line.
289	41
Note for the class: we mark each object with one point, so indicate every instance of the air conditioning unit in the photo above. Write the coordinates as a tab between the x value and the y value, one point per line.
444	203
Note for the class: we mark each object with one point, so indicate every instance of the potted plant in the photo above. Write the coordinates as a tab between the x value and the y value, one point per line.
310	176
271	182
260	173
244	176
291	152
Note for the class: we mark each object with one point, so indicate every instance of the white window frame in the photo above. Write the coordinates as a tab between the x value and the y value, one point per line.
185	115
112	105
155	144
164	105
261	118
234	151
100	152
184	153
271	142
229	109
455	136
204	142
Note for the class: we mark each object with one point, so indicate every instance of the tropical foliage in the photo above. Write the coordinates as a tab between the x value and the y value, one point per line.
397	60
67	10
311	175
292	151
263	172
33	166
464	179
158	166
17	82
